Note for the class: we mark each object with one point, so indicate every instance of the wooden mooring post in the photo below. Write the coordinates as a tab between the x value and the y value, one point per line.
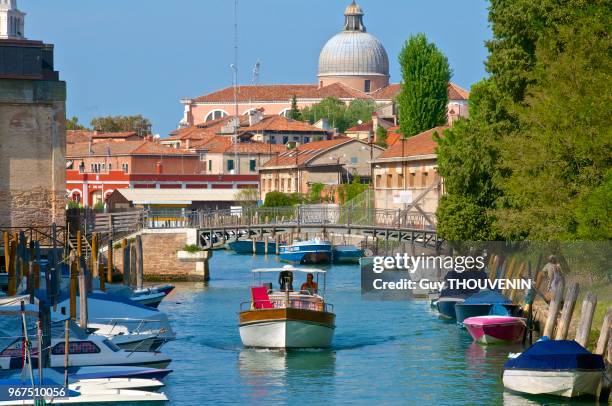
586	319
111	261
604	334
139	262
553	310
82	300
74	271
277	244
568	309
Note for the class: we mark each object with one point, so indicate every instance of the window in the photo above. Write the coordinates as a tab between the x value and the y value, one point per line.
209	165
378	180
389	180
230	164
282	185
111	345
215	114
76	347
110	166
424	179
411	179
295	182
285	139
306	139
400	180
366	86
252	165
354	160
272	139
124	167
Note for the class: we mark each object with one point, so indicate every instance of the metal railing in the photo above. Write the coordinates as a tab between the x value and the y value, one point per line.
345	217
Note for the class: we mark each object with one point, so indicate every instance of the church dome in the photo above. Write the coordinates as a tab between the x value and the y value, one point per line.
353	52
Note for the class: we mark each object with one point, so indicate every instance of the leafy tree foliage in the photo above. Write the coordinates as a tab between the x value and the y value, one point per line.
280	199
122	123
533	156
381	137
294	113
424	93
73	124
247	197
340	115
348	191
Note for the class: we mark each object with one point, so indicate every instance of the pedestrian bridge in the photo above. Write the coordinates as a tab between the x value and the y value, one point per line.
216	227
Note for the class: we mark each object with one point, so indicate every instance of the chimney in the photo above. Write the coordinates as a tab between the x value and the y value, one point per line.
255	116
159	168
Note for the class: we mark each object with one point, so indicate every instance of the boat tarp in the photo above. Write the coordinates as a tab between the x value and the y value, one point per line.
558	355
487	297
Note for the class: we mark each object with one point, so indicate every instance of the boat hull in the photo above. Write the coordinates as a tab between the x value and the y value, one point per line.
307	257
557	383
286	328
495	330
446	306
464	311
246	247
347	254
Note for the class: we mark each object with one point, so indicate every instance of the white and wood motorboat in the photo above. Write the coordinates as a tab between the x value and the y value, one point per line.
285	318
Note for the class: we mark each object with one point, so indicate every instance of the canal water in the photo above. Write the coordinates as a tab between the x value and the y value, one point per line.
384	352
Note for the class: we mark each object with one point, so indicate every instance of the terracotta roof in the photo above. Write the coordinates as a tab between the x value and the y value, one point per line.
306	152
455	92
199	132
420	144
143	147
85	135
281	92
393	135
223	144
282	123
367	126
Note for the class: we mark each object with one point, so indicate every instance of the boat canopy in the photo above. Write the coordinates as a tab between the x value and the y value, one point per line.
487	297
289	268
556	355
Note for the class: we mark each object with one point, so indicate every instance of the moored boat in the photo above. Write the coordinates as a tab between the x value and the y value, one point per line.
495	329
285	318
555	367
307	252
482	303
246	246
446	305
346	254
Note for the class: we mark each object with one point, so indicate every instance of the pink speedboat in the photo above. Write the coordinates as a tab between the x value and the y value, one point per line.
495	329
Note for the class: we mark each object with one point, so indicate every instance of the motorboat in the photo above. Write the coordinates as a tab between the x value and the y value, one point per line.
494	329
246	246
483	303
346	254
142	340
307	252
451	295
85	350
555	367
151	299
286	318
97	372
117	310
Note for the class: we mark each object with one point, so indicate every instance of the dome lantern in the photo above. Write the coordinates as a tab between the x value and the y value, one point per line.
353	18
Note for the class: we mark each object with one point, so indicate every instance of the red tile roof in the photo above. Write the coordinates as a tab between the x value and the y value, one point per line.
104	148
224	144
455	92
281	123
85	135
306	152
367	126
420	144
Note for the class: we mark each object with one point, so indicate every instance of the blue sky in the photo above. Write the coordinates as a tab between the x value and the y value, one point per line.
122	57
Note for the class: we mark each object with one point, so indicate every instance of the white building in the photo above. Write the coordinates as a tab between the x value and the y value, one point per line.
12	21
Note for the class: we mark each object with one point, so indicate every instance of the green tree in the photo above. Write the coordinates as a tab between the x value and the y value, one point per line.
279	199
73	124
294	113
247	197
339	115
423	96
381	137
316	190
348	191
137	123
593	218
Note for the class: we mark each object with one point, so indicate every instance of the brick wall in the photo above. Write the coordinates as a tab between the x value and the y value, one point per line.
160	258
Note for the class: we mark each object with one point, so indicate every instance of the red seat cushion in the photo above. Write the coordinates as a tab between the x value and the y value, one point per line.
261	300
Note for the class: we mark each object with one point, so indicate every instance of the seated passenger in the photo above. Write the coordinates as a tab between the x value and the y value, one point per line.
285	280
310	286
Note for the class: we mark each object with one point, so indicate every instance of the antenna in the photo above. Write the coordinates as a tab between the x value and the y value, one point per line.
255	79
235	68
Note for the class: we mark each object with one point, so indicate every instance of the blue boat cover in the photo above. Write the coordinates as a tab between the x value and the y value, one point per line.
556	355
487	297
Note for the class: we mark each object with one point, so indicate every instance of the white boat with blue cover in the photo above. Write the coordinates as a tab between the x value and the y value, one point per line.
555	367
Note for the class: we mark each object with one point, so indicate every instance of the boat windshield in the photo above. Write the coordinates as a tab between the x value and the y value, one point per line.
111	345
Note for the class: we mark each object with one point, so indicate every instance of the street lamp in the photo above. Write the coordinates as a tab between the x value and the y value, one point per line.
337	159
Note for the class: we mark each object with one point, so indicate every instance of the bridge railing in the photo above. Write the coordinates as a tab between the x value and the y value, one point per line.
295	215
